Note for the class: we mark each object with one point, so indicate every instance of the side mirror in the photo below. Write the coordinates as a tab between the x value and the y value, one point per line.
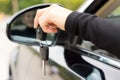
20	28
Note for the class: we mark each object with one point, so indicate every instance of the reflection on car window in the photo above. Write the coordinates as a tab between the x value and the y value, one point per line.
23	25
91	47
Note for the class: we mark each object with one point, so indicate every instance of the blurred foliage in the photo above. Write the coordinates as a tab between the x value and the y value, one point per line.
6	5
70	4
27	3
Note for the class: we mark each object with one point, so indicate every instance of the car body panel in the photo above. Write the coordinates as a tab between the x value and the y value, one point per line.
29	67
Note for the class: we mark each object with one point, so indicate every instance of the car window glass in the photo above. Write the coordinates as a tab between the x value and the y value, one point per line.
115	13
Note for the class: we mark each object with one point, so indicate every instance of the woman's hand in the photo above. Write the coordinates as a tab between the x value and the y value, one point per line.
51	18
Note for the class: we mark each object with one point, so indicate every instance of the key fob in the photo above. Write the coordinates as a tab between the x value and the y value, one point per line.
40	34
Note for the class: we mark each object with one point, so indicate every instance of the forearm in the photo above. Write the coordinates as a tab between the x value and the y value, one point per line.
101	32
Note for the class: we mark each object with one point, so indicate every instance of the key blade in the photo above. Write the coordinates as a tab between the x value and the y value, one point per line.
44	67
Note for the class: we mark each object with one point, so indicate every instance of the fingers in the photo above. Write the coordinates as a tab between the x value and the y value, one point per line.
51	30
36	19
46	26
38	14
54	15
42	18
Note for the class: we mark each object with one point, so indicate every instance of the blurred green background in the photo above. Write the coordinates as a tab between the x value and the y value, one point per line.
12	6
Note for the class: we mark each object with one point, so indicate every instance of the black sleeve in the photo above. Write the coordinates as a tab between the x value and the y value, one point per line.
101	32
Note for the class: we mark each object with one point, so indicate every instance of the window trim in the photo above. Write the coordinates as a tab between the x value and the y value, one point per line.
85	5
108	8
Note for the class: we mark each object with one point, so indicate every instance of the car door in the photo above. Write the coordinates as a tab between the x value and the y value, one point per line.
104	61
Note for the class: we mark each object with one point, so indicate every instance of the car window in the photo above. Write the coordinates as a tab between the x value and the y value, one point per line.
115	12
114	15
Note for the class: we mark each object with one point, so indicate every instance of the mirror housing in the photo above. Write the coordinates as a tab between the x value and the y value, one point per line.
19	34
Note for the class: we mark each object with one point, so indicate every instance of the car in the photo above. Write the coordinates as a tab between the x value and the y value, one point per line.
70	57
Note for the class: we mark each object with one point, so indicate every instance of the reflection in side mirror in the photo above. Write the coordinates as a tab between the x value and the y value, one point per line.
20	28
23	25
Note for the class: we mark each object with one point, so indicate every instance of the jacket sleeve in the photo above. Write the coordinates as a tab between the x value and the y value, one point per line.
101	32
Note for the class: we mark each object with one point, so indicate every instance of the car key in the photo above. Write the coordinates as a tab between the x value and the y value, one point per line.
40	35
44	57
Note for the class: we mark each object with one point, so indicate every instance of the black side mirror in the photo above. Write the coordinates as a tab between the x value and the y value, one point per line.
20	28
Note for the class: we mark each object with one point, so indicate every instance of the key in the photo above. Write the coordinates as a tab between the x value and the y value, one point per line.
40	35
44	67
44	57
44	52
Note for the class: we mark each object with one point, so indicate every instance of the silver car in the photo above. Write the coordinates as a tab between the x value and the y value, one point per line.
70	58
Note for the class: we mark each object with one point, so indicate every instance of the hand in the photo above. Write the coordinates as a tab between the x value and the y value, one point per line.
51	18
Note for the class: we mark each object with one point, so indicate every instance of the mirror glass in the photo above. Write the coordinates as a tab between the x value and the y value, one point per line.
21	30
